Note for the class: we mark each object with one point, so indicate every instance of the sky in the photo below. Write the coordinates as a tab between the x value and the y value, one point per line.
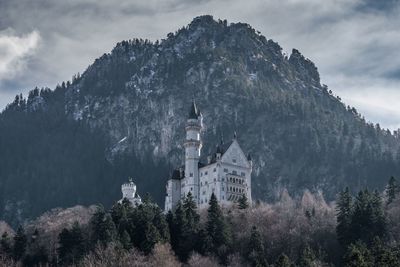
354	43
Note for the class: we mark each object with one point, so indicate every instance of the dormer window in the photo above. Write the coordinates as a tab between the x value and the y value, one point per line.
234	160
191	174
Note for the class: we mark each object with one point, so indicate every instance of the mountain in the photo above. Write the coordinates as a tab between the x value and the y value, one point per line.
125	116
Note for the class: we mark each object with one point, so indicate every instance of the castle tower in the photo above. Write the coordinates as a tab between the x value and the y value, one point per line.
192	153
129	193
128	189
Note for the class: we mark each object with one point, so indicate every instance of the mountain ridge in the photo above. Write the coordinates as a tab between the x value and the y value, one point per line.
130	106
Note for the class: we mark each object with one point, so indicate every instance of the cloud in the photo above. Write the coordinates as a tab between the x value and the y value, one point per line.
354	43
14	51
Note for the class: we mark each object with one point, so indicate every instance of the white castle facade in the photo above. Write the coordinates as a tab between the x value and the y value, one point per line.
227	172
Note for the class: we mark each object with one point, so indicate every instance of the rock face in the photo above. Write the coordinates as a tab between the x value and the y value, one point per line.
300	135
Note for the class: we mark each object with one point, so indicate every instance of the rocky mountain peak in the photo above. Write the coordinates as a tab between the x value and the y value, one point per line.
305	68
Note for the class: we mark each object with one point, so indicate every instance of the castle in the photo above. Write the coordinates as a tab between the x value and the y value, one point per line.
227	172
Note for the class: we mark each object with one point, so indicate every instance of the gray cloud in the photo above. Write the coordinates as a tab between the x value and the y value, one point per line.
354	43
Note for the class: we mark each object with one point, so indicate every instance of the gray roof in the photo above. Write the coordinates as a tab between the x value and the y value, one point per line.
220	148
194	112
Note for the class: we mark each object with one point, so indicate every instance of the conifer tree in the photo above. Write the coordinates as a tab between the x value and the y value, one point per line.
256	249
307	257
392	190
189	209
120	213
243	202
283	261
358	255
150	226
217	229
344	215
189	227
368	219
151	238
125	240
174	227
36	254
383	255
102	227
71	245
378	218
5	245
20	242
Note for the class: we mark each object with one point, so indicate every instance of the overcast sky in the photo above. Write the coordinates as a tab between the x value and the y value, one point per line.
354	43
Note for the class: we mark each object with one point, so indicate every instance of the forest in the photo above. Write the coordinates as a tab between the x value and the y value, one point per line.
360	230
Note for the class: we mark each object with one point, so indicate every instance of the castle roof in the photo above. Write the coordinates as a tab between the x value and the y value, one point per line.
178	174
194	112
221	149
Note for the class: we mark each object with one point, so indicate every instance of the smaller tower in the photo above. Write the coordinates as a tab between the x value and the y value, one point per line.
129	192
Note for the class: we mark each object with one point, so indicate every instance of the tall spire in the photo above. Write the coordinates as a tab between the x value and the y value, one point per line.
194	112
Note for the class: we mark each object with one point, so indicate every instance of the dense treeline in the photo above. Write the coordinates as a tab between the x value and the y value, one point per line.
363	231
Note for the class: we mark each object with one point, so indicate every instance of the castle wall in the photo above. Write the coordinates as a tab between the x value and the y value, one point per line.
173	194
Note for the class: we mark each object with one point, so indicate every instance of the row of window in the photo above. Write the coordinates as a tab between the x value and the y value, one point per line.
236	190
236	180
206	172
234	197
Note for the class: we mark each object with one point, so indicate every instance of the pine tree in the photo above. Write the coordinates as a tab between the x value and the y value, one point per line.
344	214
188	228
120	213
383	255
217	229
102	227
5	245
358	255
189	210
256	249
307	257
151	237
125	240
174	227
36	254
243	202
20	242
150	226
378	218
71	245
368	219
283	261
392	190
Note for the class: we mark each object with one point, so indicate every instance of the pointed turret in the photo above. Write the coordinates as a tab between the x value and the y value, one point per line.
194	113
249	157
